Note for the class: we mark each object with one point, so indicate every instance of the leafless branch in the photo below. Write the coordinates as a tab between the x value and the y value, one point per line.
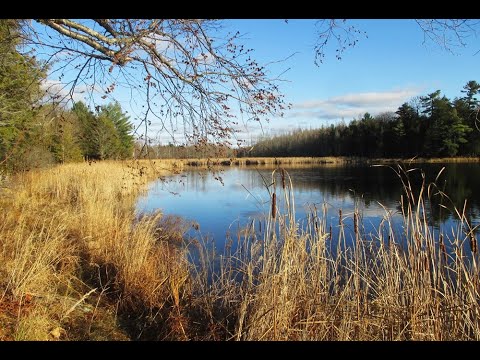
338	31
448	34
188	73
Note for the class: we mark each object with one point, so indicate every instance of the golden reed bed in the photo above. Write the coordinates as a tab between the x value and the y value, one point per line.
77	263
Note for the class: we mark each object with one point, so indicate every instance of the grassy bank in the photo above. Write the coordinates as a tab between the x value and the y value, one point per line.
325	161
268	161
74	257
76	262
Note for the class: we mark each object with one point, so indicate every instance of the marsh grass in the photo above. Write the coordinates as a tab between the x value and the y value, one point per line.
73	228
308	161
77	263
398	285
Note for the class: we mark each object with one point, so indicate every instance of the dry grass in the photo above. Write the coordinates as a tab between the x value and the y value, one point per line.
76	262
299	161
73	228
290	285
268	161
426	160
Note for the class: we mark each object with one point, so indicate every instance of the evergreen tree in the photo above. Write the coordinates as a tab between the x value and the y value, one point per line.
87	124
106	138
123	128
64	134
447	130
428	103
412	139
20	78
471	89
468	108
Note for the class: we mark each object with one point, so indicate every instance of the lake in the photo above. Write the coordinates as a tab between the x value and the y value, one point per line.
223	202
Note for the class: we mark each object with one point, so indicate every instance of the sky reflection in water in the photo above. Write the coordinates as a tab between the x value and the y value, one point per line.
243	196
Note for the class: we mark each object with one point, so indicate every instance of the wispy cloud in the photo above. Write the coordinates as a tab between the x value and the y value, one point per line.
62	92
353	105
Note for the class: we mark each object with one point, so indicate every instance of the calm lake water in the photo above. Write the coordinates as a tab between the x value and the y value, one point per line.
221	207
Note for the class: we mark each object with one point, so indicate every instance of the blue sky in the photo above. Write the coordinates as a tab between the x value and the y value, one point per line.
380	73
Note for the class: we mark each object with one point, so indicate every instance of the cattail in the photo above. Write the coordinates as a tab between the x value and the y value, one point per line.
283	179
330	232
355	223
473	243
274	208
340	217
442	248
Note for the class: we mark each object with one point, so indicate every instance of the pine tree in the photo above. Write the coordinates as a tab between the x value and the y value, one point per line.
88	124
123	128
20	79
468	108
447	131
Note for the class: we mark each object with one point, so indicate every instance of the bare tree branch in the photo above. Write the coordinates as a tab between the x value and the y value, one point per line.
335	30
75	35
449	34
188	72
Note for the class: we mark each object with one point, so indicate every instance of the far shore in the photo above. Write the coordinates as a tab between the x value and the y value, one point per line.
332	161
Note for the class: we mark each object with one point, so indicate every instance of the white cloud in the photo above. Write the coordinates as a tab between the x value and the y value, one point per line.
60	92
353	105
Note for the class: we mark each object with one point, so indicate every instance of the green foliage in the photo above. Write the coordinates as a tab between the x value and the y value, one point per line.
20	79
121	133
437	128
63	133
105	135
468	109
447	130
34	134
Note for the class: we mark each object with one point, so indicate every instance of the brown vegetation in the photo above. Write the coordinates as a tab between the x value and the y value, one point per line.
76	262
75	257
326	160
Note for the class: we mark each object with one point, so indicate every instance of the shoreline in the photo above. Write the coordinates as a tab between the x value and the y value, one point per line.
328	161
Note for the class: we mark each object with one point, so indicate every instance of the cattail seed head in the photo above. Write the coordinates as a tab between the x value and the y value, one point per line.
274	203
473	243
355	223
443	248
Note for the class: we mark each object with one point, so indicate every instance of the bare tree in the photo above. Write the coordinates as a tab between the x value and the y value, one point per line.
186	75
340	32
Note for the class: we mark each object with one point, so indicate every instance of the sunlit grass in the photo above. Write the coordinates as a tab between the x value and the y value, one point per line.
289	285
77	263
73	228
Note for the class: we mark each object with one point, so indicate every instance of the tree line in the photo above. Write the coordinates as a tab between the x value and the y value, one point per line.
174	151
430	126
36	130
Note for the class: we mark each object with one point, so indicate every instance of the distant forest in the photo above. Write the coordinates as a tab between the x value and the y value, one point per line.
430	126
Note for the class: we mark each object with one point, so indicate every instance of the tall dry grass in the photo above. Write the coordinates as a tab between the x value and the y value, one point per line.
290	285
70	234
77	262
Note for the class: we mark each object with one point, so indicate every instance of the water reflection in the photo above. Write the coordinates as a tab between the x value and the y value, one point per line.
221	206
